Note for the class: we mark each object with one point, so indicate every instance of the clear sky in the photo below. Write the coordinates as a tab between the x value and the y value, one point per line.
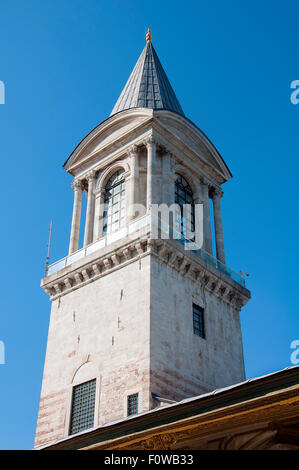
64	64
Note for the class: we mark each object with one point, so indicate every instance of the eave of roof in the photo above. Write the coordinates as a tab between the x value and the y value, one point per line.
167	414
160	110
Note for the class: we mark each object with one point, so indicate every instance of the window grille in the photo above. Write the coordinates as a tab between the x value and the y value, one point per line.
198	321
133	404
83	403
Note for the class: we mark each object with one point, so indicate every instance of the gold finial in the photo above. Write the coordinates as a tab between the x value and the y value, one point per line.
148	35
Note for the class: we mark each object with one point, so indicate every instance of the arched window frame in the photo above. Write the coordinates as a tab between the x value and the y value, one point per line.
114	216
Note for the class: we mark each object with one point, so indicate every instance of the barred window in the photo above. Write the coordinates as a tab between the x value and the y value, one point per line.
184	196
83	403
114	200
198	321
133	404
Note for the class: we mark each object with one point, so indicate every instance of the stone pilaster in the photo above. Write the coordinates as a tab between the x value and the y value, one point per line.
75	227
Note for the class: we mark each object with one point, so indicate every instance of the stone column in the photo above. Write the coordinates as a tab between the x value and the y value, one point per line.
151	157
75	228
218	226
207	235
133	158
88	233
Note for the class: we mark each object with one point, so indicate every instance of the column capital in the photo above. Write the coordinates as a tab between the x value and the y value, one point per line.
149	141
167	152
132	150
216	193
77	184
205	181
205	185
197	199
90	175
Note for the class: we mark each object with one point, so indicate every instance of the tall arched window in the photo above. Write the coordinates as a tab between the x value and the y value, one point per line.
183	195
114	200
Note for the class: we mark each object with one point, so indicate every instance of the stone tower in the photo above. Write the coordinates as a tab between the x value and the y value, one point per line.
137	321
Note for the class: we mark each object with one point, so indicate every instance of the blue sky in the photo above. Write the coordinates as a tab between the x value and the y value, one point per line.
64	63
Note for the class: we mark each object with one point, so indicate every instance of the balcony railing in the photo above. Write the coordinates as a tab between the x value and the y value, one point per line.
222	267
164	232
103	242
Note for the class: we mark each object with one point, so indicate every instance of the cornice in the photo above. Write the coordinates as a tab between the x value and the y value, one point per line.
190	266
187	123
120	154
181	155
197	270
120	140
94	268
197	158
151	123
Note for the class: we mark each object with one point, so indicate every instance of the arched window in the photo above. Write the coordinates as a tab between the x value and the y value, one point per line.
114	200
184	196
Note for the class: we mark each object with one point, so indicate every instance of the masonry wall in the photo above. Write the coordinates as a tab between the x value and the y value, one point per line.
182	363
100	331
132	330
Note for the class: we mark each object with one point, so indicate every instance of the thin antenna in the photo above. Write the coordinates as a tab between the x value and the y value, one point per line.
49	246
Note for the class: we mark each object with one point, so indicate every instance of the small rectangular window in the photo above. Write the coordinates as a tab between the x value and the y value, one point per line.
198	321
133	404
83	403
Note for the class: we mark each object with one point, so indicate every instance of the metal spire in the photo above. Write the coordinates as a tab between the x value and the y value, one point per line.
148	85
148	35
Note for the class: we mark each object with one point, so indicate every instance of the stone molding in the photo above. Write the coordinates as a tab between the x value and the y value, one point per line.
194	271
226	290
133	148
151	119
108	171
95	269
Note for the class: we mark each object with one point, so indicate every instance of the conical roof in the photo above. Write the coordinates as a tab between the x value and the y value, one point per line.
148	86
